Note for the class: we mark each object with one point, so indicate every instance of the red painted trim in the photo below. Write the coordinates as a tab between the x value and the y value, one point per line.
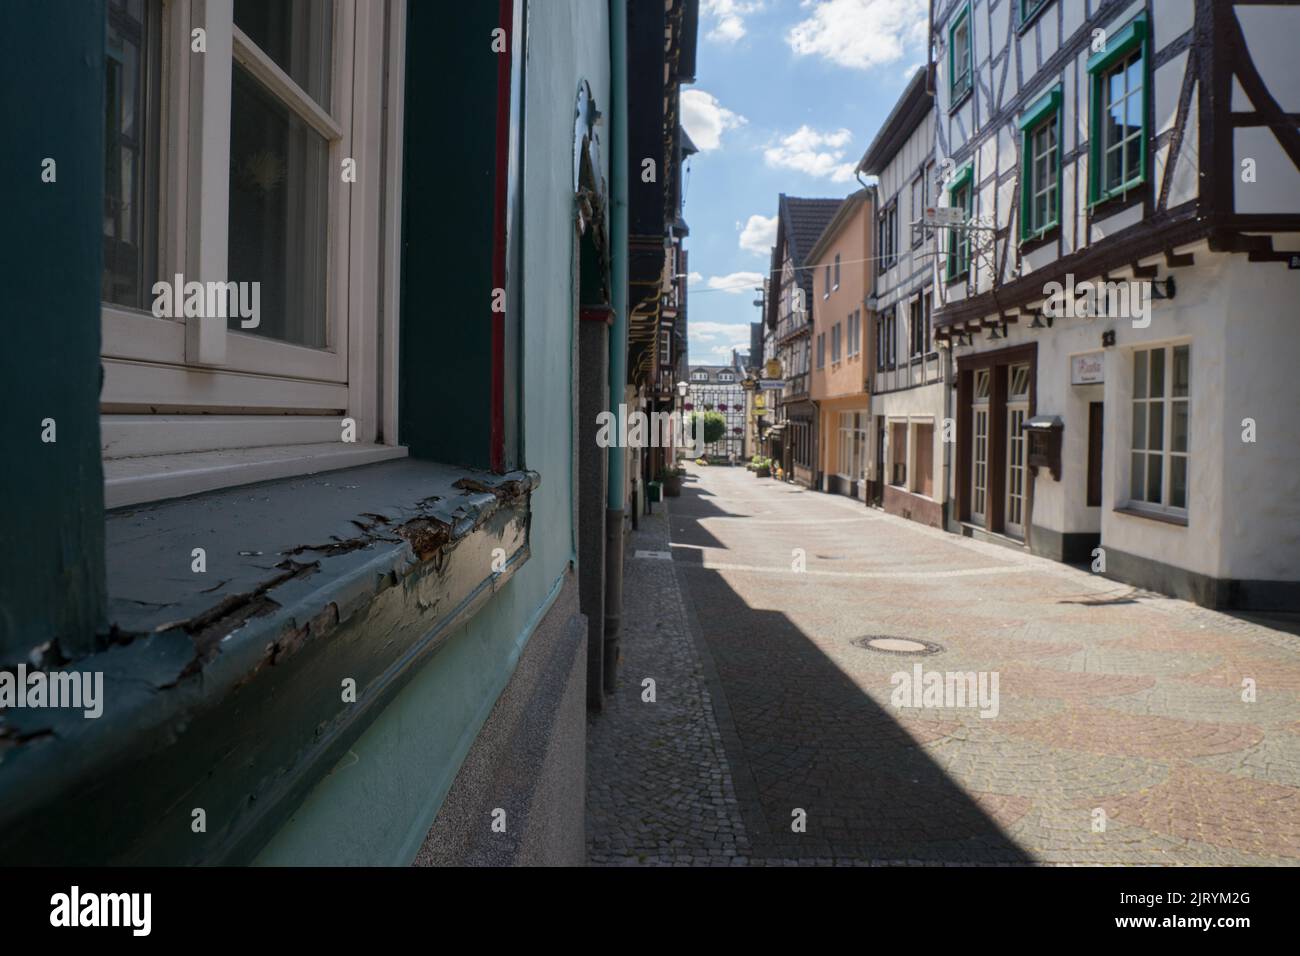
496	450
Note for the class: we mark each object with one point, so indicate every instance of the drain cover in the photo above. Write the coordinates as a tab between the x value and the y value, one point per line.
907	646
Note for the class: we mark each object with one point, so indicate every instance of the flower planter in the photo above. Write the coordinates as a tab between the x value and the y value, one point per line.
673	486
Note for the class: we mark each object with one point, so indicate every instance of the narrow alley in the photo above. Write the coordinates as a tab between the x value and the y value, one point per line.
1120	731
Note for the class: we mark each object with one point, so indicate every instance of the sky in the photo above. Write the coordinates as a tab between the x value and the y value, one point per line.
788	95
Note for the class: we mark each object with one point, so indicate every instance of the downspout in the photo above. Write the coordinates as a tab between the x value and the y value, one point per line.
618	337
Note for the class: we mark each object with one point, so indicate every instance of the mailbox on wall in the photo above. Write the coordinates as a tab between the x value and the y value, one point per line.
1043	434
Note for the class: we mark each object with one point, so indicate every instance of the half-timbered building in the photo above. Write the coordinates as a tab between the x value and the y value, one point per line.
908	376
1121	305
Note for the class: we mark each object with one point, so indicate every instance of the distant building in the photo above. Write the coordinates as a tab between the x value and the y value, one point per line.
717	388
800	222
841	269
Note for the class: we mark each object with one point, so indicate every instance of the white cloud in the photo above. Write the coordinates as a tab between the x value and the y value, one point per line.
758	235
706	119
860	34
693	277
729	18
737	283
807	150
716	340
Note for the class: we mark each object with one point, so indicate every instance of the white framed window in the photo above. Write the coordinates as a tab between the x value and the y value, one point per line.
1017	412
1161	429
268	161
980	446
835	343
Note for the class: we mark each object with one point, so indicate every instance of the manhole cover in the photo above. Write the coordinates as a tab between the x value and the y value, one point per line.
907	646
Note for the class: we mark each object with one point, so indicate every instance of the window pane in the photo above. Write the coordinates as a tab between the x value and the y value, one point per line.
1137	474
279	192
1178	440
1140	425
1182	370
1132	158
1154	477
1140	374
131	122
1156	426
1114	168
1178	482
1158	373
297	35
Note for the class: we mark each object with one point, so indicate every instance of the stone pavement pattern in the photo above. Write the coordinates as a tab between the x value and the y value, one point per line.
1114	704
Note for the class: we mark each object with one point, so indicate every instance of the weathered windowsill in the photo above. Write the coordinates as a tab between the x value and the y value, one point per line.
224	689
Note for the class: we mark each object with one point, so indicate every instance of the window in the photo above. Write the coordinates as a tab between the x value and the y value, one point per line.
918	208
821	350
1028	8
980	446
898	454
1040	177
928	319
885	339
826	282
725	376
887	232
243	199
960	196
835	343
132	119
855	332
1161	428
959	57
916	329
923	478
837	270
1117	151
699	375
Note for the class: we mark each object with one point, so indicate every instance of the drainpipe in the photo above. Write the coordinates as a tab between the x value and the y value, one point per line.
618	337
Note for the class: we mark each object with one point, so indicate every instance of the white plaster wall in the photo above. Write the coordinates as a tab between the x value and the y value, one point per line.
924	404
1240	320
1261	525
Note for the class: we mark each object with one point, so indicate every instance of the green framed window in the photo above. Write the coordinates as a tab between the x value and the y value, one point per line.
1118	140
1029	8
961	194
1040	168
960	57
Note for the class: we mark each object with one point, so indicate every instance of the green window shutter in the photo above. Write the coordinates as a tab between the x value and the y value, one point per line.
1118	47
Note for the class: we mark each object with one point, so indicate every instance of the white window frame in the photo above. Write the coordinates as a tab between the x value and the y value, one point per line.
1166	452
177	387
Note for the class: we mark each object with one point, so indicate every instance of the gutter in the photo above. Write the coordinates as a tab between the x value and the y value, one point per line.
618	338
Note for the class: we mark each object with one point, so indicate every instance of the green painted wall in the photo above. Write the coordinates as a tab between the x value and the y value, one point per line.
379	802
52	561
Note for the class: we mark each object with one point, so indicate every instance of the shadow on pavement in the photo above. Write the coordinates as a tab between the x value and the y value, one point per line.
800	734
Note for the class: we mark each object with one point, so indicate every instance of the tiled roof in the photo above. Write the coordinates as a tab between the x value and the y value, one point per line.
803	221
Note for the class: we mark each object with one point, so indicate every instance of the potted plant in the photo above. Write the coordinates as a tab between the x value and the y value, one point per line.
763	467
672	479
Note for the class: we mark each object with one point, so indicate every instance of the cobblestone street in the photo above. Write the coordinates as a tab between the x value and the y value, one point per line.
1120	734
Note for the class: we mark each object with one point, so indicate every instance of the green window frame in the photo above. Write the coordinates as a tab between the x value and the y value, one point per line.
1029	9
960	84
1041	134
961	192
1118	154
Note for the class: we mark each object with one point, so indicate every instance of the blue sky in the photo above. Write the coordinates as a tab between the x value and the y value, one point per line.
788	95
